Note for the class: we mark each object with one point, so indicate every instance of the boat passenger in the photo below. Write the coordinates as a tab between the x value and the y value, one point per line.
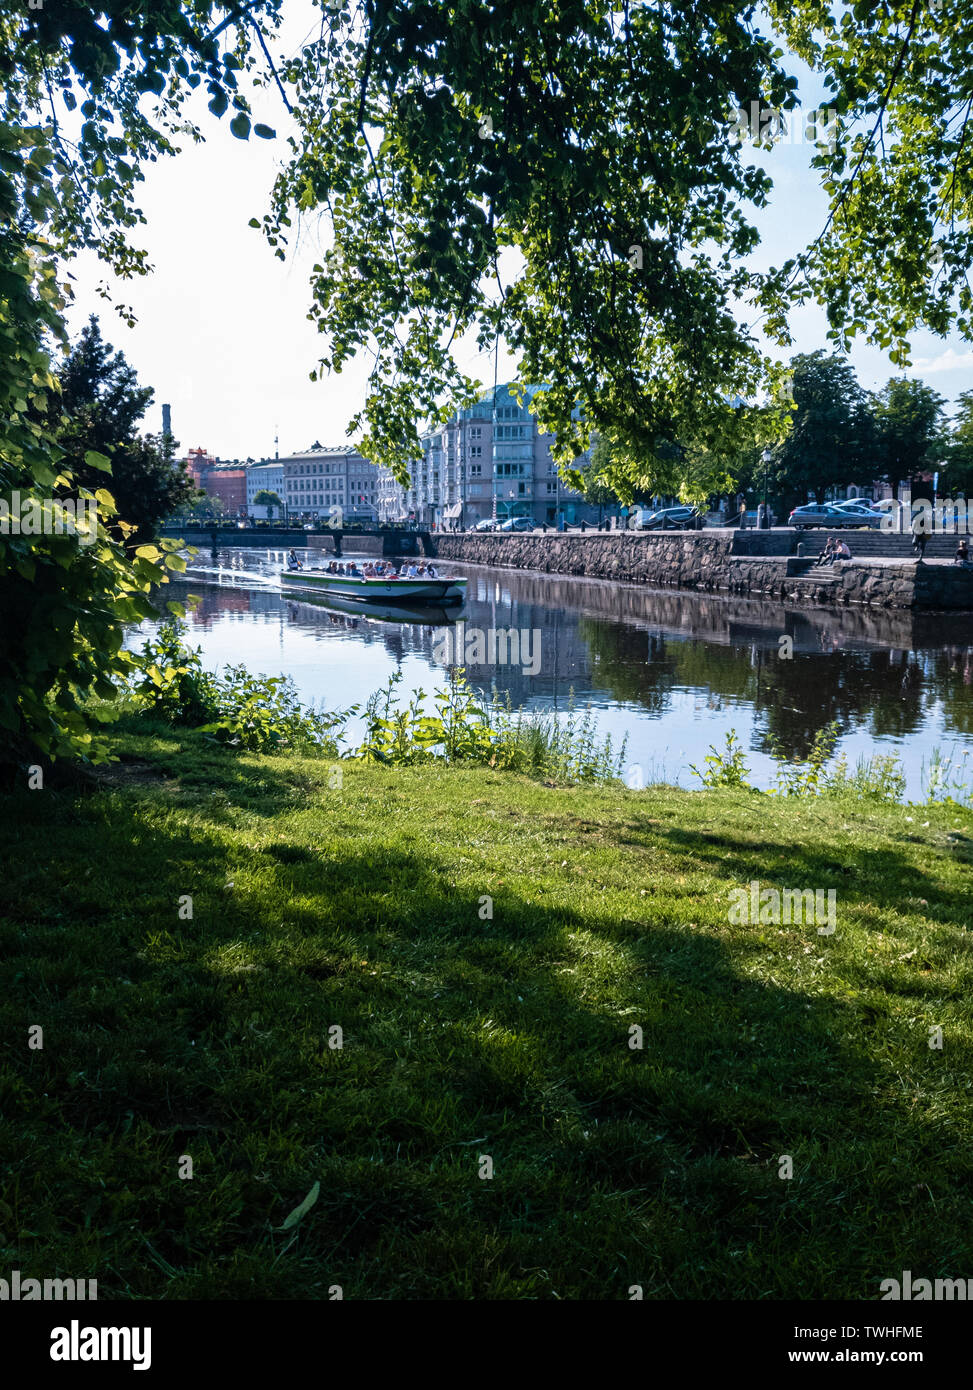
293	563
431	572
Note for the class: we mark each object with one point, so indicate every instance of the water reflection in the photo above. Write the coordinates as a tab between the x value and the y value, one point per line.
670	671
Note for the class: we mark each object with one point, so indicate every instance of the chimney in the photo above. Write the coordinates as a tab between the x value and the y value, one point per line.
166	422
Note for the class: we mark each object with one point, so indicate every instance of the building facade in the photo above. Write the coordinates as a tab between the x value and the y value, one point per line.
265	477
325	477
490	460
227	481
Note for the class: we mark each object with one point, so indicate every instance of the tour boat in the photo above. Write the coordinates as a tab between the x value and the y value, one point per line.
436	614
379	590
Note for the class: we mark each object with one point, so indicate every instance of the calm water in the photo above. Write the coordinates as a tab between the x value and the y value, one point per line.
670	672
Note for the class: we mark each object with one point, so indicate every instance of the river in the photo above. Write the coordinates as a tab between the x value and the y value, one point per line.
669	672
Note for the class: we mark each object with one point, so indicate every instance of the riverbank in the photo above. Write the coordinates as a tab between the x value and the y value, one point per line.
486	946
758	565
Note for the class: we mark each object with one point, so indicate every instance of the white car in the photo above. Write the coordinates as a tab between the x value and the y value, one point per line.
833	516
858	506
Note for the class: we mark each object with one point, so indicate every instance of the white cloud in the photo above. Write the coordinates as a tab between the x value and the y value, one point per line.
948	361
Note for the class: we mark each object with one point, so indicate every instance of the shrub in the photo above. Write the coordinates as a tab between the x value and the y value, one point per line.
726	769
259	713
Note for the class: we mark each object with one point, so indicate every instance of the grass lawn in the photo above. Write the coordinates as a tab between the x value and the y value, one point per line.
360	907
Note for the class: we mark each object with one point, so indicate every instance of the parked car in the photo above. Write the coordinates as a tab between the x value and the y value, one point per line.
487	524
665	519
517	523
833	516
857	506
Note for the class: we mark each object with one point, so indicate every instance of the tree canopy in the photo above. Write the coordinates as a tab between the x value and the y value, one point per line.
101	404
563	176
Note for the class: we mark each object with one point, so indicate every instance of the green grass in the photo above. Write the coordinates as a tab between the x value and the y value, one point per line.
360	907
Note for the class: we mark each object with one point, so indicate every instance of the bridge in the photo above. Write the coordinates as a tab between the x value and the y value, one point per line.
393	541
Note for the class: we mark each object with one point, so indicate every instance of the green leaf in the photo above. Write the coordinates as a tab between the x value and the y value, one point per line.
265	132
240	126
95	460
299	1212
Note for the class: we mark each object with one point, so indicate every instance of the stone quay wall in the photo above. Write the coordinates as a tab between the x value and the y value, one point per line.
708	561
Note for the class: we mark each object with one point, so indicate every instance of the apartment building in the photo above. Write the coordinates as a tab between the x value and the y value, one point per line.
264	477
327	476
219	478
488	460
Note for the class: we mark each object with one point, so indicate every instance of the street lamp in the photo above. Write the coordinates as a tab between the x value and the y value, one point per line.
767	459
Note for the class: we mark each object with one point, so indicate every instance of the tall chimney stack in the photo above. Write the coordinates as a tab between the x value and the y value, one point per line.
166	422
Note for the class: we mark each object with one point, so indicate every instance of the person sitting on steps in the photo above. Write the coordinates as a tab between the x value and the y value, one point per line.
828	554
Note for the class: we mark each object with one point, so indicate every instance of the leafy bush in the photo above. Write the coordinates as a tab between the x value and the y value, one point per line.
803	776
874	779
262	714
171	680
465	729
726	769
942	780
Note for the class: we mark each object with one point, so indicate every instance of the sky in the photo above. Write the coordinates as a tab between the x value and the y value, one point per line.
222	332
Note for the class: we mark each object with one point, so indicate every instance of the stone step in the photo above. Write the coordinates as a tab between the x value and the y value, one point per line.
877	545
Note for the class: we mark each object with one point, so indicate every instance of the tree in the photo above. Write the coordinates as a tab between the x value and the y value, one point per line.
591	141
897	164
909	421
829	442
448	144
588	479
101	403
67	182
266	498
959	448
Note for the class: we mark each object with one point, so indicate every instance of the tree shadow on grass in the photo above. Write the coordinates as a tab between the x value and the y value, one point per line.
462	1038
891	877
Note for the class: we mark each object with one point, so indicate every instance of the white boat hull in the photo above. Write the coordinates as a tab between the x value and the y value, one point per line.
411	591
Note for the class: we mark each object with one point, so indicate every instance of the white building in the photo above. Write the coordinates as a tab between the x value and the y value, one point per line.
489	460
265	477
328	476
